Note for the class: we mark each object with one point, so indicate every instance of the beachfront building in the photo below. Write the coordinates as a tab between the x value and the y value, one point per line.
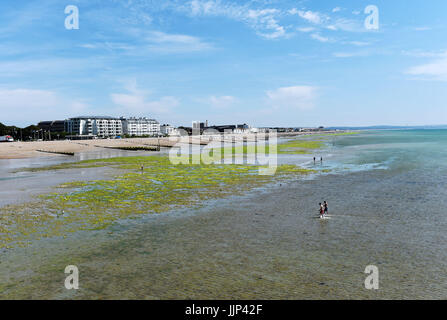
242	129
259	130
52	126
140	127
167	130
94	126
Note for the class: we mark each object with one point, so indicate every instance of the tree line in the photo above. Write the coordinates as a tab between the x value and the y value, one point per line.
30	133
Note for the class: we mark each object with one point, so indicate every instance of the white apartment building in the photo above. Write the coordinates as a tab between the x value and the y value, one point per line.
140	127
167	130
94	126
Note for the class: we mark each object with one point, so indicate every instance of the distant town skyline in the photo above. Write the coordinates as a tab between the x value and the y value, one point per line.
266	63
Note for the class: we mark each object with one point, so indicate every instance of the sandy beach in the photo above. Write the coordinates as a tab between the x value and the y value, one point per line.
23	150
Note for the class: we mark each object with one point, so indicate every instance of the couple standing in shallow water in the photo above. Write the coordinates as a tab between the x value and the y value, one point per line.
324	209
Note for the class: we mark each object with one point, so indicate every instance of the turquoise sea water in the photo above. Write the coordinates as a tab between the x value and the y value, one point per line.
387	149
398	149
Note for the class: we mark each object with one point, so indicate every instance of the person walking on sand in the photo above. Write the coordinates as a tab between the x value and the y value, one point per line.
326	208
321	211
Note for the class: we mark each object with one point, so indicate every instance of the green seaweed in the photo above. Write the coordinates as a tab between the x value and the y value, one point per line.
158	187
296	146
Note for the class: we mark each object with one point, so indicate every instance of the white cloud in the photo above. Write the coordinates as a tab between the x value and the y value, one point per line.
310	16
175	43
359	43
350	54
296	97
29	106
421	28
28	67
161	37
135	102
319	37
425	54
222	102
348	25
156	42
322	21
306	29
110	46
138	105
264	21
435	70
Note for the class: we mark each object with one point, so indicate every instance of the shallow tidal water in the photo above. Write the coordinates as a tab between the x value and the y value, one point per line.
386	193
18	185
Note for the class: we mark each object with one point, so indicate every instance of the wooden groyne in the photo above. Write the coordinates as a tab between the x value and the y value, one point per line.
57	152
136	148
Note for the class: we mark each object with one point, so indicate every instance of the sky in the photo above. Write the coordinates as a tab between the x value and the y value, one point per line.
260	62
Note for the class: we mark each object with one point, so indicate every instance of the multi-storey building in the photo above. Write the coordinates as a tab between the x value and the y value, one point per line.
167	130
91	126
140	127
94	126
52	126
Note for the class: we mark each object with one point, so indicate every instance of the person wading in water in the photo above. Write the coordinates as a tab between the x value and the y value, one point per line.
321	211
326	208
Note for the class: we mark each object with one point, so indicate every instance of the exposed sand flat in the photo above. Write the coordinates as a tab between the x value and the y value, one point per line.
20	150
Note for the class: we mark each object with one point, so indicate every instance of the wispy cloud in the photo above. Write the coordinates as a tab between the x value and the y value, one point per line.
350	54
264	21
310	16
306	29
175	43
347	25
221	102
434	70
31	67
137	102
319	37
425	54
23	106
320	22
154	41
359	43
295	98
421	28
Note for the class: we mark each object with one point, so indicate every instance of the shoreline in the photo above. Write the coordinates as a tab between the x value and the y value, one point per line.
36	149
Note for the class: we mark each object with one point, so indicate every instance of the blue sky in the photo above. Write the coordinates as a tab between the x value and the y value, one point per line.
262	62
